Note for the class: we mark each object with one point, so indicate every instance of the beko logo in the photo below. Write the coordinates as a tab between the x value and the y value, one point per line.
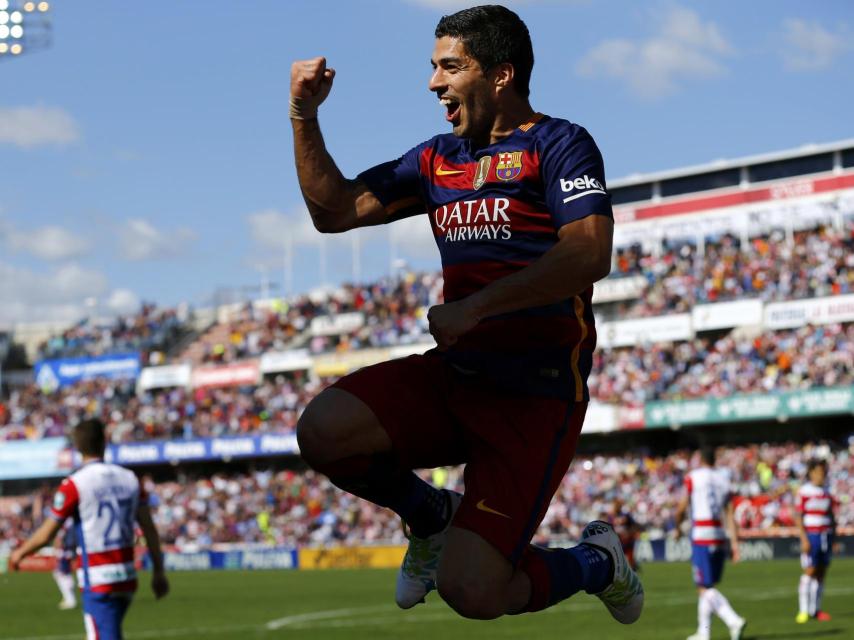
583	186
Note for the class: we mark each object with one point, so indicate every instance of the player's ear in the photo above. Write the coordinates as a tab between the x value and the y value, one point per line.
502	76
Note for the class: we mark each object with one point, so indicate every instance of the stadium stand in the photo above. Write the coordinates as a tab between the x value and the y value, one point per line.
300	508
737	322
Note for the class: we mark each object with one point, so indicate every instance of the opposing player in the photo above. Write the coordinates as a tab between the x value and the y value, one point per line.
63	574
709	497
103	500
627	528
816	526
519	208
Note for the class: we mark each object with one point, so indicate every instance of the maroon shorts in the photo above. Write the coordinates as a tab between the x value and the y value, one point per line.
516	448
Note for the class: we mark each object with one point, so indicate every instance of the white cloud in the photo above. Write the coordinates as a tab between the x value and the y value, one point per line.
141	240
48	243
270	228
123	302
684	47
413	237
28	127
56	296
809	46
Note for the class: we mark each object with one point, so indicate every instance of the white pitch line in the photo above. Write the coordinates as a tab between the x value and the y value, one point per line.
302	618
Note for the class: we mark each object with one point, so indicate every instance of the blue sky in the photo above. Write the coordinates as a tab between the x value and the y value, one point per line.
147	154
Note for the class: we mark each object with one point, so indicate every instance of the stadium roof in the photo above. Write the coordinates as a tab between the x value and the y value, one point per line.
717	165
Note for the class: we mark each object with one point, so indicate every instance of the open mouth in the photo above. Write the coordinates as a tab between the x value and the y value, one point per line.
452	108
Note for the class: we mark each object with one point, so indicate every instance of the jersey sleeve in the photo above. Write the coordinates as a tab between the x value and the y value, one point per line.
397	184
573	176
65	500
688	484
800	502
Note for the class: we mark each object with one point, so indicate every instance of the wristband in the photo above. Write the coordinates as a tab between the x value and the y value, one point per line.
302	109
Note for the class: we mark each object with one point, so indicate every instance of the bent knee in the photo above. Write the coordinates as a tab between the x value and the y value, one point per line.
471	599
336	425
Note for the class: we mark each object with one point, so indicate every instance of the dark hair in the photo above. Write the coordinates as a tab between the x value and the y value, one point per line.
89	437
707	455
816	462
493	35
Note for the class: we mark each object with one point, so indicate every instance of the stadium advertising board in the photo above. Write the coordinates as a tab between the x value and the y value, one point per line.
380	557
294	360
46	458
726	315
171	451
233	559
53	374
600	417
738	408
670	550
167	376
614	289
339	364
402	351
244	373
627	333
797	313
338	324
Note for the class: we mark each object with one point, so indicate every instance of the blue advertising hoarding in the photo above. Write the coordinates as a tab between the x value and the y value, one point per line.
197	449
54	374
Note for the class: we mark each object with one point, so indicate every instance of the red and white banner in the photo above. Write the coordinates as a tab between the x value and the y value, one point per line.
246	372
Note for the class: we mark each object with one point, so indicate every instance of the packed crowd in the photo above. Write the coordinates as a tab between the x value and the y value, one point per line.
388	312
812	356
151	331
818	262
272	406
301	508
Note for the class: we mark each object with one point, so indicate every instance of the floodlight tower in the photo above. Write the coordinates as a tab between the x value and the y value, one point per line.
24	27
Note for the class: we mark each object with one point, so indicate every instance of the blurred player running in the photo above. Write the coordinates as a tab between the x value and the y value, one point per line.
627	528
816	526
63	575
709	497
103	500
519	209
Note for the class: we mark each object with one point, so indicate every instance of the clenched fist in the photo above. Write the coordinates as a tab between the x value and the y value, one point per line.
451	320
311	82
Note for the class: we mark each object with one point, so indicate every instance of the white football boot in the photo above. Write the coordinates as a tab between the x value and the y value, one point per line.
736	631
624	595
417	575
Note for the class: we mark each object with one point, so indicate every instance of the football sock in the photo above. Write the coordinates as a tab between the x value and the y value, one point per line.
65	582
557	574
722	607
804	594
704	615
813	601
818	593
378	478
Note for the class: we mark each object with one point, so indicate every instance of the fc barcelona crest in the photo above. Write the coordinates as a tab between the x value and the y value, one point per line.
482	172
509	165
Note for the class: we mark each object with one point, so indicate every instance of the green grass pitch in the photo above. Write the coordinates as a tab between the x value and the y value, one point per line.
359	604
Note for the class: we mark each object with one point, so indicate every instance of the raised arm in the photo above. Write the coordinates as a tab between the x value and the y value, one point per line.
159	583
335	203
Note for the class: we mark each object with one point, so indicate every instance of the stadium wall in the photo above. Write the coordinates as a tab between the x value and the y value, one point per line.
237	558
